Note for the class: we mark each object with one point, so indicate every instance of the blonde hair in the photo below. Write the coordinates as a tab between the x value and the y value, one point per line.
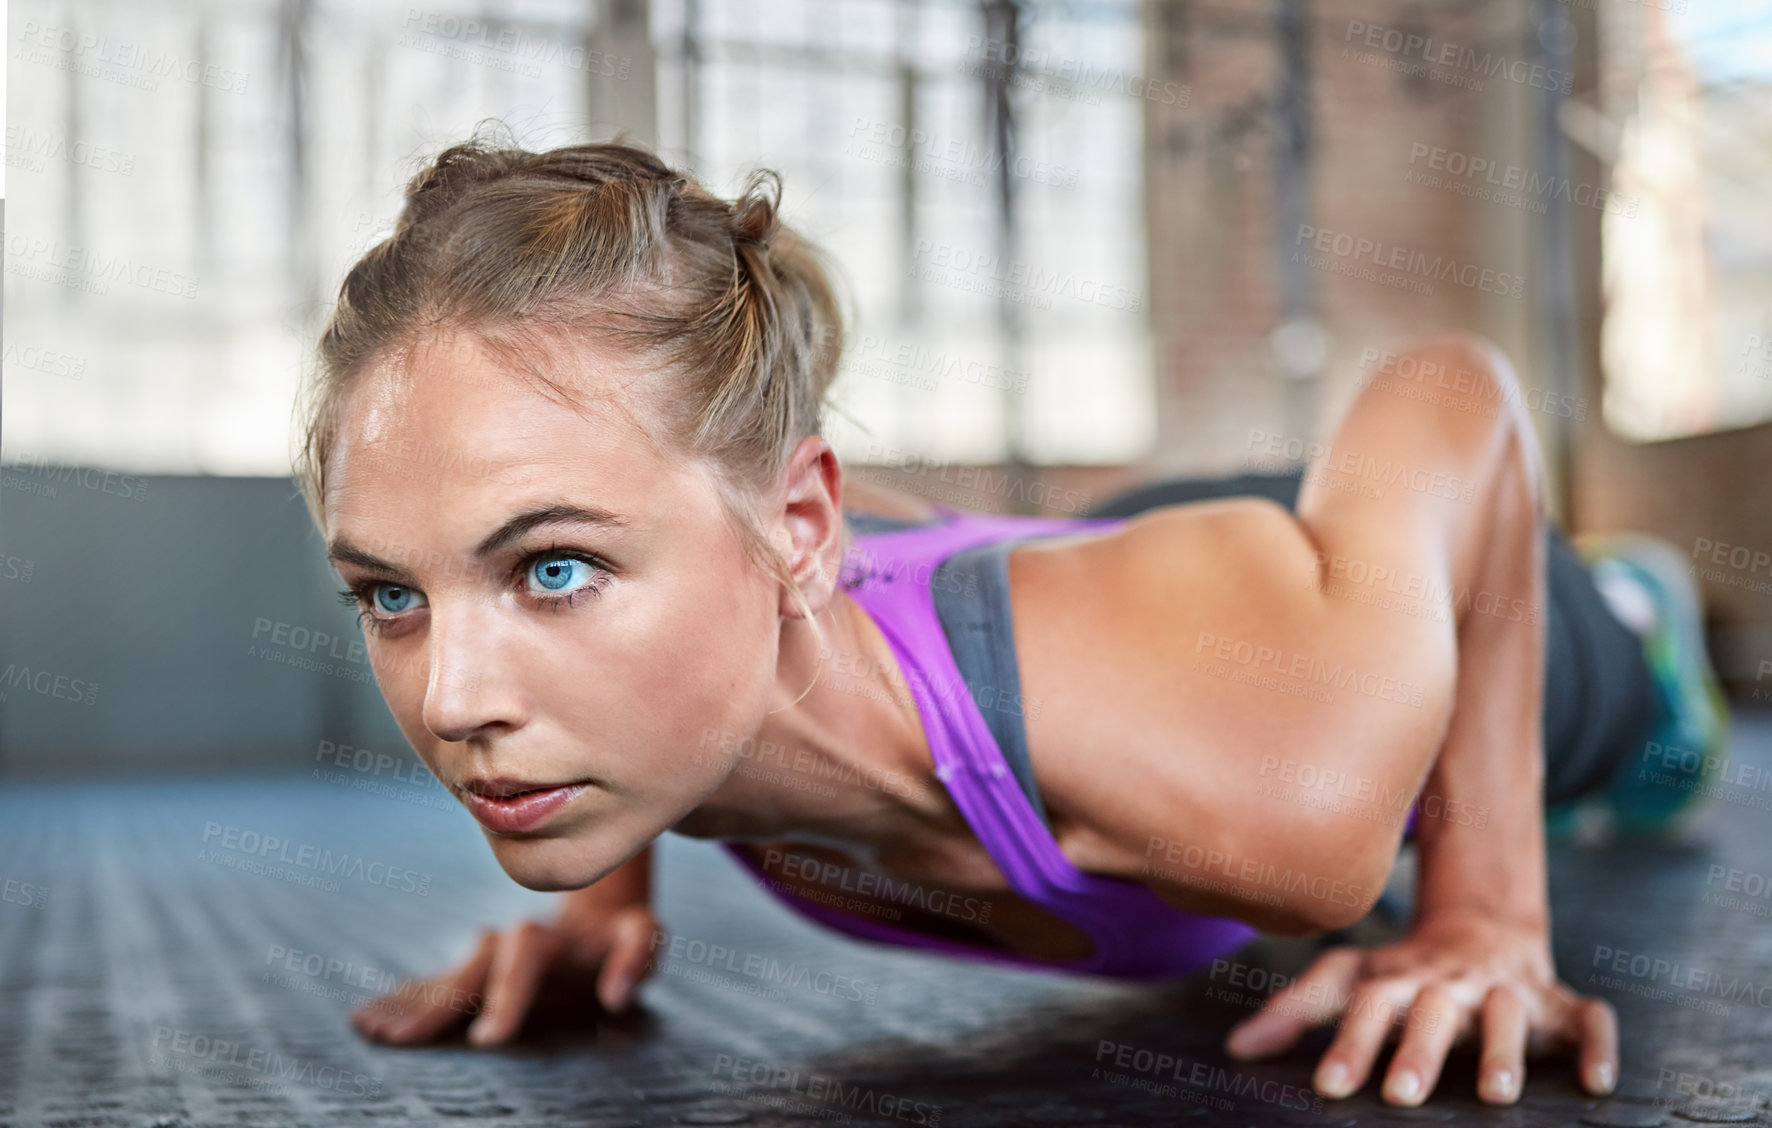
602	243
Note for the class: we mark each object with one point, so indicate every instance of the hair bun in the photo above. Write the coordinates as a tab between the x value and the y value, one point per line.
756	213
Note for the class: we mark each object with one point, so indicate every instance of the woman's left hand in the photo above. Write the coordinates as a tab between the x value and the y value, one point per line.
1455	973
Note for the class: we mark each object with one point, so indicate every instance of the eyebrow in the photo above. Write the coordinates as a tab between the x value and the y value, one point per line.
344	552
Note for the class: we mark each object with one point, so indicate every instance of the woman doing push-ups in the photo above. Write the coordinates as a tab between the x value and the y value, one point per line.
564	445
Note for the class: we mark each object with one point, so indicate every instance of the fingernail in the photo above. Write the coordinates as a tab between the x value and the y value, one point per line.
1600	1077
1237	1045
1332	1080
621	990
480	1032
1405	1086
1501	1084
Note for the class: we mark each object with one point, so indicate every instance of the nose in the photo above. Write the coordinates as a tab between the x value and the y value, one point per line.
469	692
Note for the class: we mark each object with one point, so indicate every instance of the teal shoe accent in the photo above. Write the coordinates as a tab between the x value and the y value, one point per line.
1561	822
1673	774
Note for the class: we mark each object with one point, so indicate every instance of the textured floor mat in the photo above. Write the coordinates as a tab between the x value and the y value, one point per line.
183	954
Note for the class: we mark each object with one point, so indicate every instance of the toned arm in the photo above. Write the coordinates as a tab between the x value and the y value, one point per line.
1212	715
1177	671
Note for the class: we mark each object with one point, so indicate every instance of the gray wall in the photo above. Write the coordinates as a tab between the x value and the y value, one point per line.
158	623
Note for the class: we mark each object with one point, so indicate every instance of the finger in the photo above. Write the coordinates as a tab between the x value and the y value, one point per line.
422	1009
1501	1072
1311	1000
524	954
1365	1026
1597	1026
380	1015
1434	1019
633	939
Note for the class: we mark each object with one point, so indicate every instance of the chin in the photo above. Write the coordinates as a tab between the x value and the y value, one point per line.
548	865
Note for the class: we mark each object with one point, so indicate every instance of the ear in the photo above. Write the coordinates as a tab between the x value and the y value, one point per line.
811	524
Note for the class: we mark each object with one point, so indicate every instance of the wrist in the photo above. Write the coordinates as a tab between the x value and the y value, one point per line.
1520	917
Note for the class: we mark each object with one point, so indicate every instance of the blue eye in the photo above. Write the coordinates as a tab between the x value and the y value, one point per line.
393	599
557	574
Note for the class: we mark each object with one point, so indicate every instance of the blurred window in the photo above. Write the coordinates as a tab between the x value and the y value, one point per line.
1686	86
189	183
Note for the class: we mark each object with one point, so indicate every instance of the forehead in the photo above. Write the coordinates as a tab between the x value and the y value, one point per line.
453	420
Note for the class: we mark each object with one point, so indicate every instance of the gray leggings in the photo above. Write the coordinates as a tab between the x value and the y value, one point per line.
1599	699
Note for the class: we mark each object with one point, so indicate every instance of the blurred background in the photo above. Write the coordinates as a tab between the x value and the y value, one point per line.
1088	243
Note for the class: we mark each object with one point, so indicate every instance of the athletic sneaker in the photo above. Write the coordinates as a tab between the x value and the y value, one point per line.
1667	782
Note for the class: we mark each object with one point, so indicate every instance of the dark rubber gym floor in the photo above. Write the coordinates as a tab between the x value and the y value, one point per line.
155	970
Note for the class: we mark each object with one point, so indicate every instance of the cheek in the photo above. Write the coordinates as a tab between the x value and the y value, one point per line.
712	660
652	687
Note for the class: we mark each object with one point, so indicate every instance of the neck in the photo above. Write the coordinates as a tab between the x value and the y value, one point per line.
845	764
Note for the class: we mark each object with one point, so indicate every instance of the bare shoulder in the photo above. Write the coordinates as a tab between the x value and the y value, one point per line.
1150	697
1200	552
1116	617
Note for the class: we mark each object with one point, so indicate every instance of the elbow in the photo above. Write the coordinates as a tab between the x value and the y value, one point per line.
1340	875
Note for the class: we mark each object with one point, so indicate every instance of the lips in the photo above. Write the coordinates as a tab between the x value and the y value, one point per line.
514	806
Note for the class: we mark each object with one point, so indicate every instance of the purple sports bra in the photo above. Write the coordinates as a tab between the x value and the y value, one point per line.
1136	934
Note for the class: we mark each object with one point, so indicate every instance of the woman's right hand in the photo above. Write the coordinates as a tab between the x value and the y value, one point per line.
578	958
